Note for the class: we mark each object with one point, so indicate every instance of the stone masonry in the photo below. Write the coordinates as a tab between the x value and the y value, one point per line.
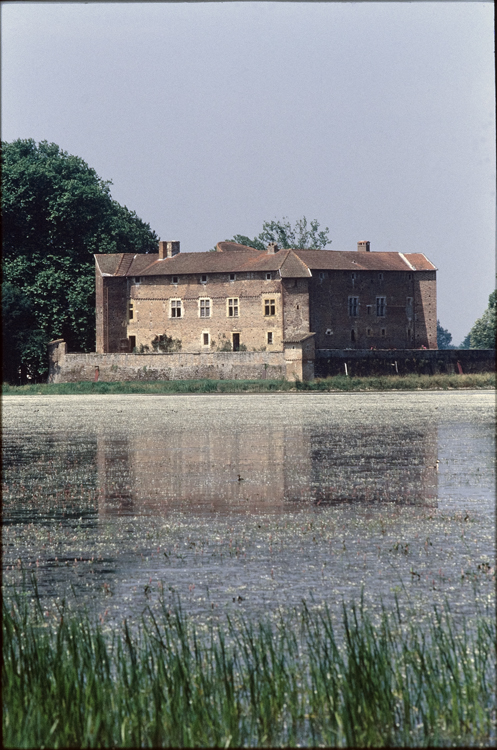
250	313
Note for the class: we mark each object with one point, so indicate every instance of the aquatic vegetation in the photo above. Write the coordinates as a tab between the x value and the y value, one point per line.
244	507
69	681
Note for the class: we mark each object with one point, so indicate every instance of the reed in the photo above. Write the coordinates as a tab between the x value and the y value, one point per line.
335	383
302	679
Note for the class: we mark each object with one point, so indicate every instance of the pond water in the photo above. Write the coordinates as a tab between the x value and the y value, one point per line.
251	502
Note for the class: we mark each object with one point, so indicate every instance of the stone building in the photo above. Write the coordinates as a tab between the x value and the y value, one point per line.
240	298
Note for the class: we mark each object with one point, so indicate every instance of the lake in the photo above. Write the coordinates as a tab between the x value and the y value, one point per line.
251	502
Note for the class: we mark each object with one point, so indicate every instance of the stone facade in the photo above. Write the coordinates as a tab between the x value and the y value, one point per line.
294	362
249	313
373	309
242	299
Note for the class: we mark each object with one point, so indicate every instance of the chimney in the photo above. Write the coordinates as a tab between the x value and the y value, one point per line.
363	246
272	248
168	249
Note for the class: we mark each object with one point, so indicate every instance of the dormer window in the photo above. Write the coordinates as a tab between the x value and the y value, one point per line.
232	276
136	279
203	278
175	279
268	276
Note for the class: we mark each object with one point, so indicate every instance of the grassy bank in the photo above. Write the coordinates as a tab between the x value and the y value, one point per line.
70	683
337	383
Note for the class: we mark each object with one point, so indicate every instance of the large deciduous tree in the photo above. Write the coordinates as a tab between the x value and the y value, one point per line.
56	212
302	235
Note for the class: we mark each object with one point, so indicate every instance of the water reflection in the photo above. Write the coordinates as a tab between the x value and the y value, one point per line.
265	468
271	499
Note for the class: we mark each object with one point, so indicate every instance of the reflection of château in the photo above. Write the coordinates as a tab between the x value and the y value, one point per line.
267	467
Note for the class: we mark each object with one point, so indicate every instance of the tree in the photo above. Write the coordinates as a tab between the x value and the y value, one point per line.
22	340
300	236
56	213
443	337
482	335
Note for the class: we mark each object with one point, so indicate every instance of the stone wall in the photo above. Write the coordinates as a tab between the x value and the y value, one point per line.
409	319
403	361
138	312
70	368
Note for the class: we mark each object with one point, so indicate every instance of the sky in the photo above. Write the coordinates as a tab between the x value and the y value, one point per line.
376	119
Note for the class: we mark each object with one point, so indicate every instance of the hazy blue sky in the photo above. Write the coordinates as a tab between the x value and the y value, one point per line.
377	119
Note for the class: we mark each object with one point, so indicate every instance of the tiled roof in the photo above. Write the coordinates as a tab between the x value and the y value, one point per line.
420	262
107	264
234	258
220	262
297	338
285	261
233	247
339	260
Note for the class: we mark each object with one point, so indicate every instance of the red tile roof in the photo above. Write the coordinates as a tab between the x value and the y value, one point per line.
338	260
234	258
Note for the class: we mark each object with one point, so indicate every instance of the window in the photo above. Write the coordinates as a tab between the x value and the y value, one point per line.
322	275
233	307
368	309
203	279
369	332
136	279
353	276
380	276
381	304
205	338
132	343
353	307
409	276
268	277
409	334
175	279
409	307
205	307
175	308
269	307
352	335
235	339
232	276
131	310
269	337
383	332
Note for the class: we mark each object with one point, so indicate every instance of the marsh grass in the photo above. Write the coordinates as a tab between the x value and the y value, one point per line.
296	680
336	383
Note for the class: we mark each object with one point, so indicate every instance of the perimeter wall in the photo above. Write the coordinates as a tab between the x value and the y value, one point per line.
295	362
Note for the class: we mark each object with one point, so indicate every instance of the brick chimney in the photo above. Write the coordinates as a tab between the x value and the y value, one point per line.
363	246
168	249
272	248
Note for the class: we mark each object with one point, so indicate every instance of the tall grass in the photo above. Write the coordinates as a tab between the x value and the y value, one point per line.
293	681
335	383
